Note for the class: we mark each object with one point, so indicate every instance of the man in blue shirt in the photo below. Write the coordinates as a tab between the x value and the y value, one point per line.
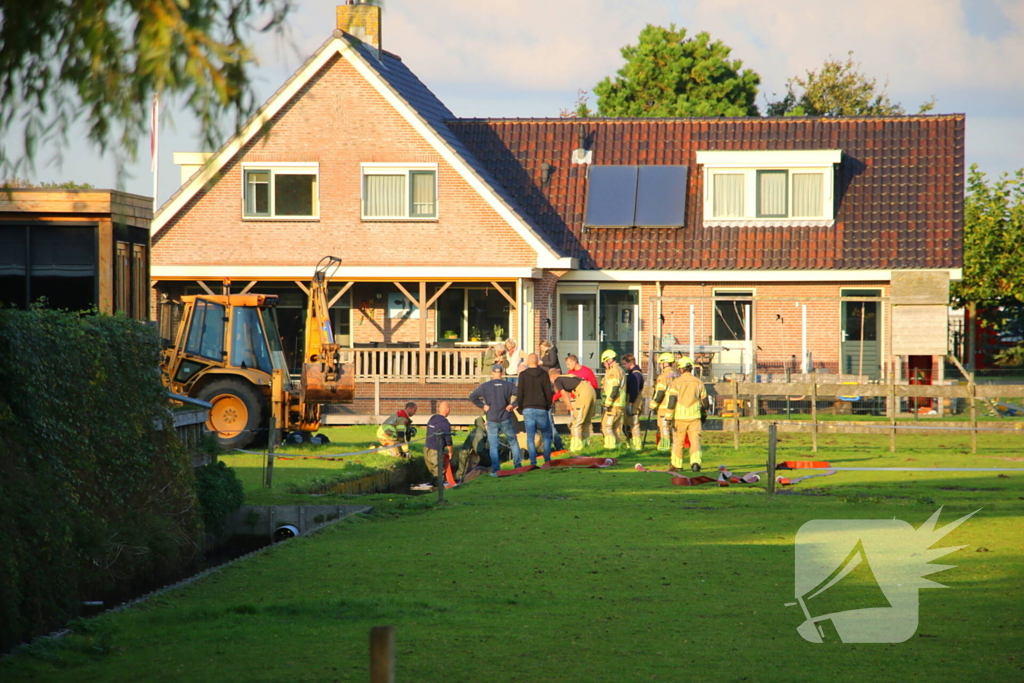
438	446
496	397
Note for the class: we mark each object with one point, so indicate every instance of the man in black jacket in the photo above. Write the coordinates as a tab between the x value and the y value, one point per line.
533	398
496	397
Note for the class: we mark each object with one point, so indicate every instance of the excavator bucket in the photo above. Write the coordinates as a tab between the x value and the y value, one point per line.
318	388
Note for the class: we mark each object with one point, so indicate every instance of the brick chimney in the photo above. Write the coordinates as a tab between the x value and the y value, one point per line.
362	21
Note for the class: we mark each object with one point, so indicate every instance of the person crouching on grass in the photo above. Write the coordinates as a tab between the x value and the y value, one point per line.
397	431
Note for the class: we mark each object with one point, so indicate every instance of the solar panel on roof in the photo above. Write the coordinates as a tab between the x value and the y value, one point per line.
661	196
611	196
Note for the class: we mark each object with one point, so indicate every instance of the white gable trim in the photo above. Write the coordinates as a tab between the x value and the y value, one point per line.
226	153
546	256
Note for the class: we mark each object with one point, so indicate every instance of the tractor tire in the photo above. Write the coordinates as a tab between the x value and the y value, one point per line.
237	413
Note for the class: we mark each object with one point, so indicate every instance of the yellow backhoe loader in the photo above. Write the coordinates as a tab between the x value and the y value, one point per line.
227	351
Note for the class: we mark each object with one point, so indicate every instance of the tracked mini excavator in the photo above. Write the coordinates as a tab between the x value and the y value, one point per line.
227	351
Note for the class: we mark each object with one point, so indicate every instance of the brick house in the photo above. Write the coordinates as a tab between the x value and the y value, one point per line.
760	245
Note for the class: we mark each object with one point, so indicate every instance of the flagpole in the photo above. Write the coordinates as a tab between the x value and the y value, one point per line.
154	149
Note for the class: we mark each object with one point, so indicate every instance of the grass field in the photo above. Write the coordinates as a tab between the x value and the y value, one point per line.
586	575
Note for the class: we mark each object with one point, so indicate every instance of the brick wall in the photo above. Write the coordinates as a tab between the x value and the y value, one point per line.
339	120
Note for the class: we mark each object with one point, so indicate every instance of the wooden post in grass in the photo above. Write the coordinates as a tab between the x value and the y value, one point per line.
382	654
736	413
814	412
972	394
892	414
772	436
269	483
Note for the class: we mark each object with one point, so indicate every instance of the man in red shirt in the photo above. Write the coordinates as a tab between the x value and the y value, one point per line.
581	371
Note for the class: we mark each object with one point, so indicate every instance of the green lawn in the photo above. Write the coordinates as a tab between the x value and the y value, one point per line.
588	575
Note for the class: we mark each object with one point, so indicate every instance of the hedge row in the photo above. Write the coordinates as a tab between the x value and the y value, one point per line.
95	499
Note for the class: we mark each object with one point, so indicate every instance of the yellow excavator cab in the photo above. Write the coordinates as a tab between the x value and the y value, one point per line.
228	351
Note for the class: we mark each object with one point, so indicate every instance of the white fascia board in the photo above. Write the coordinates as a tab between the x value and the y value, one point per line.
741	275
241	138
769	158
354	273
546	256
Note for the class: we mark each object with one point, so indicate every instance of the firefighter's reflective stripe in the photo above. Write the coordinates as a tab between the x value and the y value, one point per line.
614	377
689	392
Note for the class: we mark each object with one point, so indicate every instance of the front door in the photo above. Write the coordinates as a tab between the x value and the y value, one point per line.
577	326
616	324
860	351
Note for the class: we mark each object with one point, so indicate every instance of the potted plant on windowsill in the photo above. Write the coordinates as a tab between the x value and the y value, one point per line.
499	333
474	334
448	340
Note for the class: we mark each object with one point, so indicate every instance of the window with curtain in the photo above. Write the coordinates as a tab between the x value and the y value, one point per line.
281	192
772	188
399	193
808	191
728	195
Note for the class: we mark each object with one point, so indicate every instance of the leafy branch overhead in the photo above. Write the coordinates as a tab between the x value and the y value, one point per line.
838	89
101	63
668	74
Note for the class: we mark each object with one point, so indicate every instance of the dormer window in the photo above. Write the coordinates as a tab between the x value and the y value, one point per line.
399	192
766	188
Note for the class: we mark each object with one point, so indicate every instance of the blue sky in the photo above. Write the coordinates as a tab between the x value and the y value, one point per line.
528	58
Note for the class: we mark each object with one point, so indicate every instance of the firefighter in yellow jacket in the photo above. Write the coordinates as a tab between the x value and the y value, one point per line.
689	401
659	403
613	392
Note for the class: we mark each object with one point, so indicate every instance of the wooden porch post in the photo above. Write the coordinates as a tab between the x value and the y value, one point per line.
423	332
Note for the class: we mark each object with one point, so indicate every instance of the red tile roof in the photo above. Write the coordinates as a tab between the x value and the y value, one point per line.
900	188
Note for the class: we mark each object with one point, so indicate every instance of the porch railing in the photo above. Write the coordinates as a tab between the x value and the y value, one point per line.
441	364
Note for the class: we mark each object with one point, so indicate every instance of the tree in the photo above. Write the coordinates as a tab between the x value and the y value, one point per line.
101	62
837	89
668	74
993	279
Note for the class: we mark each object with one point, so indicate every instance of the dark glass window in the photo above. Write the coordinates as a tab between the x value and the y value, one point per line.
248	344
731	316
277	192
861	316
293	195
13	265
63	267
206	334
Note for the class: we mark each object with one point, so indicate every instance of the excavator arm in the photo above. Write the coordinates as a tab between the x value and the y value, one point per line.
324	378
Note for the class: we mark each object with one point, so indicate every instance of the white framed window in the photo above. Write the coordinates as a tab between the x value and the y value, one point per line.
287	191
399	192
766	188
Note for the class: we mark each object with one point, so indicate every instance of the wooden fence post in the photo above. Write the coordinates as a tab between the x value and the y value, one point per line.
382	654
271	434
814	412
736	413
772	437
376	397
892	414
972	393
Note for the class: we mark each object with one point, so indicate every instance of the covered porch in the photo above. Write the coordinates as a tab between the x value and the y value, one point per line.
407	328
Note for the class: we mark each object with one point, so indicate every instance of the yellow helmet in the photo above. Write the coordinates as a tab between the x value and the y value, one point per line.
608	355
684	362
666	357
